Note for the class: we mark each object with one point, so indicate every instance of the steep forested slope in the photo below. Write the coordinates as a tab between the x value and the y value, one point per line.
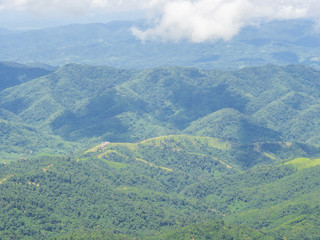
96	152
174	187
245	165
82	103
12	74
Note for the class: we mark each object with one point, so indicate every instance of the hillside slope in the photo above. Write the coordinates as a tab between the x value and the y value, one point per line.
169	187
12	74
84	104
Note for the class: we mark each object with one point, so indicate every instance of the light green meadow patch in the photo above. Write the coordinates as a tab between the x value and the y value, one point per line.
130	146
156	141
302	163
182	139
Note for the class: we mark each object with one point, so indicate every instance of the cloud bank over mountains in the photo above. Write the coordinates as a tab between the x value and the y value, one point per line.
210	20
175	20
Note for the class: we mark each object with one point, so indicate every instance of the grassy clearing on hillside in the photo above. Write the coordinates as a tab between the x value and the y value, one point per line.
181	140
302	163
185	139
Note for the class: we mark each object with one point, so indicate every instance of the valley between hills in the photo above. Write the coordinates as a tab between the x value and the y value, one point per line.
95	152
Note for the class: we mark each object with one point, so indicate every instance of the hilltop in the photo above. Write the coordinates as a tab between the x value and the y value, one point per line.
170	187
78	105
172	152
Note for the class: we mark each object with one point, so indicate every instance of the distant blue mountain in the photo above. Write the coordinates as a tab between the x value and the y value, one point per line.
280	42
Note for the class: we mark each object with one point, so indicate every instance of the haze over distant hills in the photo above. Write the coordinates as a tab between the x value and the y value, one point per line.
113	44
103	136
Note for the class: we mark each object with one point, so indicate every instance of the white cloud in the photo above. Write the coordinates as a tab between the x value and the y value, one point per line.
209	20
72	6
174	20
199	20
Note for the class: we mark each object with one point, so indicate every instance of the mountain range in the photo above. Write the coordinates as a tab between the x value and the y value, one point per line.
113	44
172	187
82	104
170	141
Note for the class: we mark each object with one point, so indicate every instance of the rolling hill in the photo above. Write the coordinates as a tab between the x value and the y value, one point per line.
171	187
160	153
158	145
82	105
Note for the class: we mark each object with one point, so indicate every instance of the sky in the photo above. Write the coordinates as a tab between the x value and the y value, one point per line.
169	20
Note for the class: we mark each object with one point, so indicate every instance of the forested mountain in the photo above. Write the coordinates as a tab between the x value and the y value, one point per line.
160	153
174	187
113	44
12	74
83	104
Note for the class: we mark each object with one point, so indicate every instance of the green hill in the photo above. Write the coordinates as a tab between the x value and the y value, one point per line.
229	123
171	187
86	104
12	74
97	152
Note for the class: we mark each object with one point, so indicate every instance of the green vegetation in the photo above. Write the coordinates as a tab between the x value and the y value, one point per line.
213	230
167	153
79	105
171	187
12	74
302	163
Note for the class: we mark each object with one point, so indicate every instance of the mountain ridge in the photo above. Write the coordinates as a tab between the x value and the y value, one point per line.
276	42
77	103
166	187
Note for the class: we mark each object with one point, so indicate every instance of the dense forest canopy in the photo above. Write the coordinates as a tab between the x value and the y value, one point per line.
200	122
93	152
76	106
